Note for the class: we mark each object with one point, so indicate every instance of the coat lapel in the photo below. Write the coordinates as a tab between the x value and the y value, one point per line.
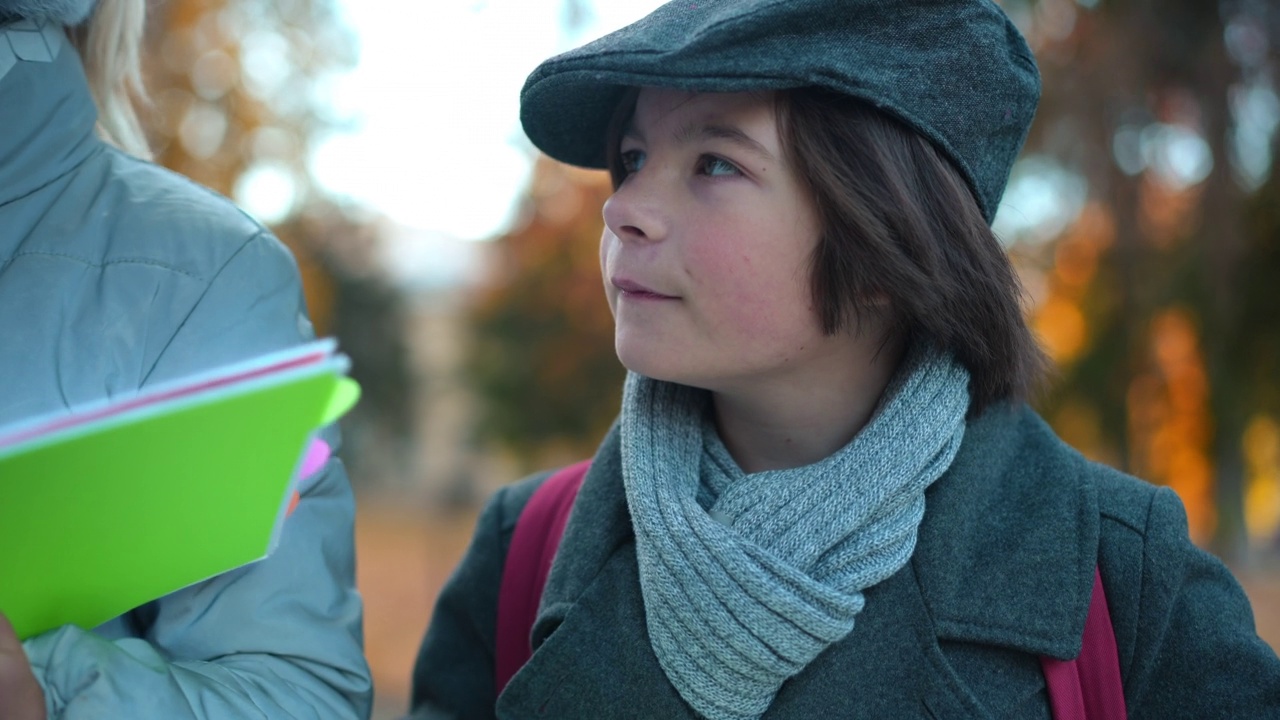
597	656
1005	557
890	666
595	660
1009	543
591	645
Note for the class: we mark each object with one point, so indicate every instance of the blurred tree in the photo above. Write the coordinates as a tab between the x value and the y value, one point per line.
542	357
1260	353
370	319
238	89
1144	99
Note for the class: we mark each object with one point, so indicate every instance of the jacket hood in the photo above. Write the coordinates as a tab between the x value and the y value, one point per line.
65	12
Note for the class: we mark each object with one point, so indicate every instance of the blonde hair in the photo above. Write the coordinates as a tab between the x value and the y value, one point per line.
110	45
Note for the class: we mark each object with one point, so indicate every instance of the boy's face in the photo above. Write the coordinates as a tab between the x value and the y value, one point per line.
707	249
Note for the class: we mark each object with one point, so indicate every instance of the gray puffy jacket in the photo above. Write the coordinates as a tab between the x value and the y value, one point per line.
114	275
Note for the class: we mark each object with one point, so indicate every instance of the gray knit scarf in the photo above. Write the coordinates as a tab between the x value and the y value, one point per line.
747	578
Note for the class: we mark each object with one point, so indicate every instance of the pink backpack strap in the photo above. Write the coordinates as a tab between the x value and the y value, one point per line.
533	548
1088	687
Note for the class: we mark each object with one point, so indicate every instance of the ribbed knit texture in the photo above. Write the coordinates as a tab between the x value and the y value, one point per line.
743	594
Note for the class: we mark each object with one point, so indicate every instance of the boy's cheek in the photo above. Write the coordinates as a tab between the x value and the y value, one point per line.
606	241
611	297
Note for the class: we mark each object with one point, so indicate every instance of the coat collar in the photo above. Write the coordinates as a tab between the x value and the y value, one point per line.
46	111
598	526
1012	524
1009	543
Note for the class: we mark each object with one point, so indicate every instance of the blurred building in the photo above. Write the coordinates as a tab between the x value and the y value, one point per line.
441	462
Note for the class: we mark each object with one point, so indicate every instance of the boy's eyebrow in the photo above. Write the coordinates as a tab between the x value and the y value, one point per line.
629	131
693	131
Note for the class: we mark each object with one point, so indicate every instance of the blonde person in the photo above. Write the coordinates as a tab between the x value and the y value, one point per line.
825	496
116	274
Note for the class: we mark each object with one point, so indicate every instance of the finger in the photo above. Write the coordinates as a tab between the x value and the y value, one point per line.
9	642
20	694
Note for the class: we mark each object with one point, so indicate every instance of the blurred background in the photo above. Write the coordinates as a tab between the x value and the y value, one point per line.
458	269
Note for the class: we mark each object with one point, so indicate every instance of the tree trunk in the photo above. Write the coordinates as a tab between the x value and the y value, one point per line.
1221	235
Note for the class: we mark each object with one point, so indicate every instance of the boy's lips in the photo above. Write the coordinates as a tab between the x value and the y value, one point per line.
636	291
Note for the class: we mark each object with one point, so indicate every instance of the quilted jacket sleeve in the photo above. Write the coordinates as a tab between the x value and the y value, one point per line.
278	639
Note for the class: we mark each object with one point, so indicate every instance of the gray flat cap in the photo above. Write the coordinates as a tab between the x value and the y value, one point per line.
957	71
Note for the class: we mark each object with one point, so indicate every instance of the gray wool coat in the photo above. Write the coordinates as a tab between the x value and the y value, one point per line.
1002	574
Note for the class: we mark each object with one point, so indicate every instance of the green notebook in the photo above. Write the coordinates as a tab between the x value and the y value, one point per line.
106	508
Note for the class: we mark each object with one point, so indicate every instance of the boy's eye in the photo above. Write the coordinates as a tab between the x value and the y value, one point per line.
632	160
715	167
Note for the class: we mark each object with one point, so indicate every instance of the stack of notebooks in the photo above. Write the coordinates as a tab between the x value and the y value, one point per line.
105	508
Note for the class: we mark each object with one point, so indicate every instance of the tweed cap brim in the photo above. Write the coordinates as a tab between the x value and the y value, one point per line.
957	71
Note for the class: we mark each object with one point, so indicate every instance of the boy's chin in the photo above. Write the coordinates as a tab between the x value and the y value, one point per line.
662	369
647	364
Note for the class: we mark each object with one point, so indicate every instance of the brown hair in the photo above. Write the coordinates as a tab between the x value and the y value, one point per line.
903	234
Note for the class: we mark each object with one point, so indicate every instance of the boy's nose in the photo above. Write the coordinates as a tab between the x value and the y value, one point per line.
634	214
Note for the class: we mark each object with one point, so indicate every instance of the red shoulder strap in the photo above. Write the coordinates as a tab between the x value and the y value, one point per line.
1089	687
533	547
